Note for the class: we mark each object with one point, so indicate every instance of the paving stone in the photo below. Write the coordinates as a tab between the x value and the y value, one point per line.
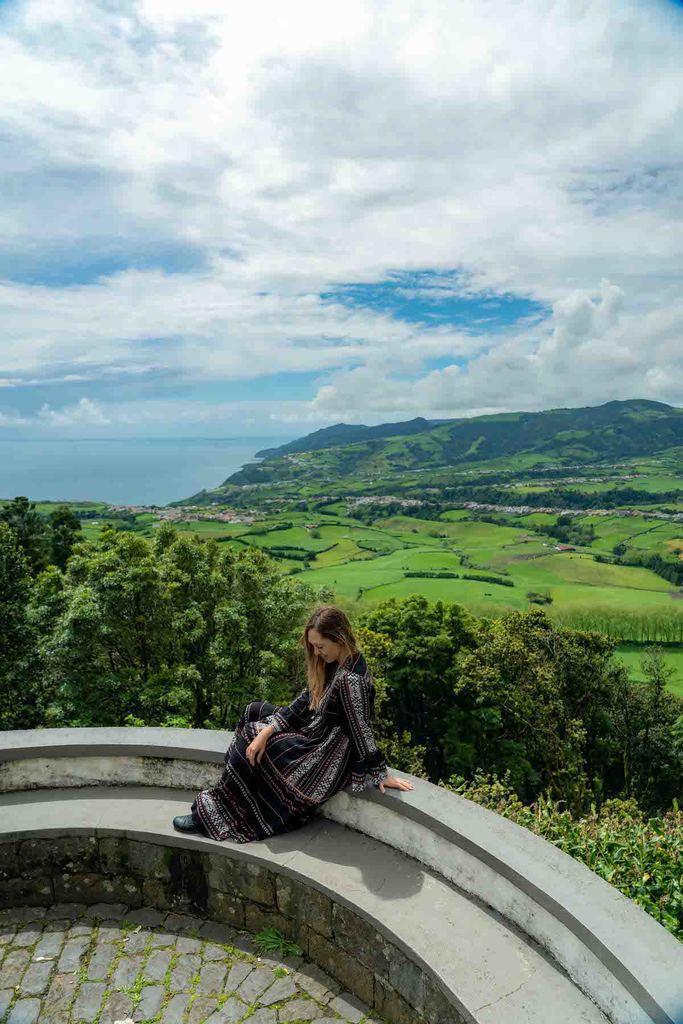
56	924
150	1003
270	960
282	988
59	997
88	1000
65	910
36	978
135	942
213	952
79	929
313	980
186	967
183	924
255	984
232	1010
175	1009
7	932
24	1011
201	1008
118	1006
186	944
157	965
49	945
265	1016
163	939
349	1006
145	915
216	932
22	915
126	971
110	931
28	935
106	910
100	961
6	998
212	977
13	966
72	953
236	975
298	1009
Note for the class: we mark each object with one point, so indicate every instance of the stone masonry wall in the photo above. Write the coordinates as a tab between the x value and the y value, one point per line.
112	869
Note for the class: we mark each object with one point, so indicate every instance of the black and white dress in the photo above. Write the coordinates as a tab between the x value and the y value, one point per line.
310	757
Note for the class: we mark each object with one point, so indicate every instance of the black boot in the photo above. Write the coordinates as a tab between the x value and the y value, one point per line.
185	823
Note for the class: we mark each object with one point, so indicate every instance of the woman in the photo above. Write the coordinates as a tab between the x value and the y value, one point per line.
284	762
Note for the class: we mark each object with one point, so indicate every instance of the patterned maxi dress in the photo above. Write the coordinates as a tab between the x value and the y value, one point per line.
310	757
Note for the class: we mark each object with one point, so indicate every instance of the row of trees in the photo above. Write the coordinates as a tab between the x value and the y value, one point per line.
668	568
558	497
647	626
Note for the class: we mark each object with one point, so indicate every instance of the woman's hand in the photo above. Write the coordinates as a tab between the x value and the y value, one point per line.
256	748
393	783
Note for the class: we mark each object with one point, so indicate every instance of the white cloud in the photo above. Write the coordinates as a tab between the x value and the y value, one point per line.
84	412
12	420
536	148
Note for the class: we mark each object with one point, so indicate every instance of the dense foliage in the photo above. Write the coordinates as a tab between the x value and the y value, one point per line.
180	631
183	631
547	703
43	540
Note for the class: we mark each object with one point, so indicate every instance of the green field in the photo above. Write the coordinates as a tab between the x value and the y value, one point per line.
631	656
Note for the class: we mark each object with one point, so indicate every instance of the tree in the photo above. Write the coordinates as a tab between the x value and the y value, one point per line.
180	631
646	717
236	612
421	668
542	694
30	529
114	638
18	708
64	528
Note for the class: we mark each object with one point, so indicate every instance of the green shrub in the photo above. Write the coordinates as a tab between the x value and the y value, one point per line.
639	856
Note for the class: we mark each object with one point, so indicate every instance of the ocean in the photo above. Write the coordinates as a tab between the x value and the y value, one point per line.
130	471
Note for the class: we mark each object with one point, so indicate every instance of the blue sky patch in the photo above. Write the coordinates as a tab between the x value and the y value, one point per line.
60	264
435	298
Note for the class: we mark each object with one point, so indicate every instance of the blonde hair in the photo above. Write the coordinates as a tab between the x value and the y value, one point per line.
333	623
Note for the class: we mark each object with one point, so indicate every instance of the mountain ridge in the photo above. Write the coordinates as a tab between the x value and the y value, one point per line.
349	433
351	455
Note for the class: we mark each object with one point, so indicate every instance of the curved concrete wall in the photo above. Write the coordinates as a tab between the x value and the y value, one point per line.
626	963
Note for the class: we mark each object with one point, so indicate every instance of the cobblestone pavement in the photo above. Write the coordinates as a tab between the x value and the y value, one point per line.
105	964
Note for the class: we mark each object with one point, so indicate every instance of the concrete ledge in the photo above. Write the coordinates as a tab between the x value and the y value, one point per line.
402	938
189	744
615	953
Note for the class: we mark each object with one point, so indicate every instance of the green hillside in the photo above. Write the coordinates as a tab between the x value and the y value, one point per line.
409	457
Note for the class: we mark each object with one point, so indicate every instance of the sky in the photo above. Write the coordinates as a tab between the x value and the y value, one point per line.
261	219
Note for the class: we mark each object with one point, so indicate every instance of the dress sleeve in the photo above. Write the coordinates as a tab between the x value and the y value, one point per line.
291	717
357	699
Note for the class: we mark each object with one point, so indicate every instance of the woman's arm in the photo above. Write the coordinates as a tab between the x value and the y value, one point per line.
291	717
356	694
